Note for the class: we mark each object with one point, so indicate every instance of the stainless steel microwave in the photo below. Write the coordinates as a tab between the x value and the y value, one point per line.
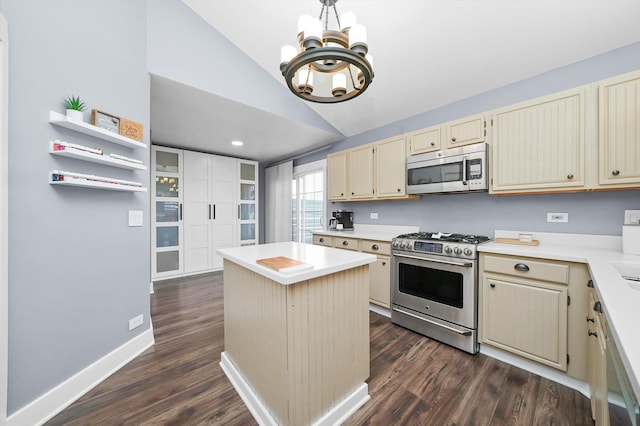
462	169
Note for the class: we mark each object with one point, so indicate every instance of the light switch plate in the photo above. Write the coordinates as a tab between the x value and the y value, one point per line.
373	215
558	217
632	217
135	218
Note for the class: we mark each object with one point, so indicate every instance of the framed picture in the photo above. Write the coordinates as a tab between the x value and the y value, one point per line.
105	121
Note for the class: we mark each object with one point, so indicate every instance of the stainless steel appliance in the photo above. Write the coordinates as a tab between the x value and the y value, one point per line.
461	169
341	221
434	288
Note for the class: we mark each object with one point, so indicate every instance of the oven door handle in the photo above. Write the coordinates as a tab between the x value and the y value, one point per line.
446	262
455	330
464	170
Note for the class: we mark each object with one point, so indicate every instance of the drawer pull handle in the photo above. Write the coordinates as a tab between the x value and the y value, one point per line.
597	307
589	319
492	285
569	176
399	190
321	240
590	283
345	243
384	263
615	172
453	139
374	247
433	144
592	333
521	267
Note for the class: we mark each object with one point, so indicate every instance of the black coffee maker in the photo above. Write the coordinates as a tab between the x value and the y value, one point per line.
341	221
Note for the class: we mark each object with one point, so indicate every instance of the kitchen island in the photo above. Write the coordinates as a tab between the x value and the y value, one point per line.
297	340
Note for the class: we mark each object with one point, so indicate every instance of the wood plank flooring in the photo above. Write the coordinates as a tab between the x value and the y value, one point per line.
414	380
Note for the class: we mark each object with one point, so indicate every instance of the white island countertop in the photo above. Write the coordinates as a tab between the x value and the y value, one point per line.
320	260
620	301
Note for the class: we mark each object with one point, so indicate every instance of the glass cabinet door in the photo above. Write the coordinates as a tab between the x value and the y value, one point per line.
247	204
166	210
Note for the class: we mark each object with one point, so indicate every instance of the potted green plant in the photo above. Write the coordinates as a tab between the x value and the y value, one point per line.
74	106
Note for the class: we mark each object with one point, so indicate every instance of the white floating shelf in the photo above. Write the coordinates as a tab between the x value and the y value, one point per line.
88	129
84	183
95	158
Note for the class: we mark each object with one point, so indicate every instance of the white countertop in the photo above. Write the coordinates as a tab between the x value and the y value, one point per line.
621	303
325	260
372	232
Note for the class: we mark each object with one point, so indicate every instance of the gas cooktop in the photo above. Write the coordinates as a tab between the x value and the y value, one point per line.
447	237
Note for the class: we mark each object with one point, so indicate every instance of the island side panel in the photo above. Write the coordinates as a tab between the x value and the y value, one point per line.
328	328
255	334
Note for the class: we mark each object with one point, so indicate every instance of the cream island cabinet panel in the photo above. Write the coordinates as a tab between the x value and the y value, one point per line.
425	140
619	141
361	173
296	345
465	131
391	159
539	146
337	184
535	308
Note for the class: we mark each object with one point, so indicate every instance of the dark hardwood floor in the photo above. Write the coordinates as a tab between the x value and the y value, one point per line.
414	380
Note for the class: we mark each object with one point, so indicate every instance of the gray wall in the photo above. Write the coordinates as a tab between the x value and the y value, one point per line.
589	213
77	272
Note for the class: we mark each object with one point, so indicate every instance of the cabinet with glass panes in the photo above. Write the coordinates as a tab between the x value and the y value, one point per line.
247	202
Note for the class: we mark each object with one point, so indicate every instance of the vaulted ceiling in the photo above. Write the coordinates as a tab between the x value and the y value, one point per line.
427	53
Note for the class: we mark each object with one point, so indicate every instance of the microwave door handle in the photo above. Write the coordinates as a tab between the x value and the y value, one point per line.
464	170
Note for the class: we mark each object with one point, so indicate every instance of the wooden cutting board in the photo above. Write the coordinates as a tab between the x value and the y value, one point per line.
516	241
279	263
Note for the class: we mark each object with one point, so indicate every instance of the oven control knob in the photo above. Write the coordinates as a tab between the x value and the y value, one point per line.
467	252
457	250
394	244
447	249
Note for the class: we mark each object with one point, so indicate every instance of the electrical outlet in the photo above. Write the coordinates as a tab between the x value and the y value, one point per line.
135	322
373	215
558	217
632	217
135	218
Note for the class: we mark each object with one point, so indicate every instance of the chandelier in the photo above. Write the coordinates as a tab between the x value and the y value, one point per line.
332	65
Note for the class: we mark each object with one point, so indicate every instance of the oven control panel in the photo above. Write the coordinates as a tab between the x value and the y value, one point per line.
466	251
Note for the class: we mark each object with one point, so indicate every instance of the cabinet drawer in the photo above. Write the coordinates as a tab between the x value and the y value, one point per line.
375	247
345	243
527	268
323	240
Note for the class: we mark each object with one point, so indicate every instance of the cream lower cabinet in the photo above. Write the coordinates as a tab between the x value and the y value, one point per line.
597	358
535	308
539	145
619	150
379	272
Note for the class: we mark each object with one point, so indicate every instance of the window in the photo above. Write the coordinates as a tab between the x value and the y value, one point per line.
308	201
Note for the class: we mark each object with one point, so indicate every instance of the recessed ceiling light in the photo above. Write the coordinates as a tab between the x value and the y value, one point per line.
237	143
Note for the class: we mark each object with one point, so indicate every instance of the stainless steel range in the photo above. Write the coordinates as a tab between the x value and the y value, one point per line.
434	288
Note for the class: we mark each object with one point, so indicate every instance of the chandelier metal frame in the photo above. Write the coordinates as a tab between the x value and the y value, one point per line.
332	54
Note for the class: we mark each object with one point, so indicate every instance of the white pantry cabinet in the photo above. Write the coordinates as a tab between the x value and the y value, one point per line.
201	202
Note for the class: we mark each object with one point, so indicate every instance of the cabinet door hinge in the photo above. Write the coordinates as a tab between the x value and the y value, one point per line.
485	124
568	300
485	132
567	358
492	121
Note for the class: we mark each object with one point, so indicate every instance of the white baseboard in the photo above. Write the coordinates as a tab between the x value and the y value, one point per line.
380	310
336	416
151	288
63	395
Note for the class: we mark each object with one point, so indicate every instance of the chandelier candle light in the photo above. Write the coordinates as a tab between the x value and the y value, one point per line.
335	58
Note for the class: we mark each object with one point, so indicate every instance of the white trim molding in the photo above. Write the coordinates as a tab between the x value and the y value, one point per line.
63	395
336	416
4	218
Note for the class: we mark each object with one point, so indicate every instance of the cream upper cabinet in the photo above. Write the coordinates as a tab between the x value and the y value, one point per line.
337	176
425	140
465	131
391	157
538	146
619	141
361	172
